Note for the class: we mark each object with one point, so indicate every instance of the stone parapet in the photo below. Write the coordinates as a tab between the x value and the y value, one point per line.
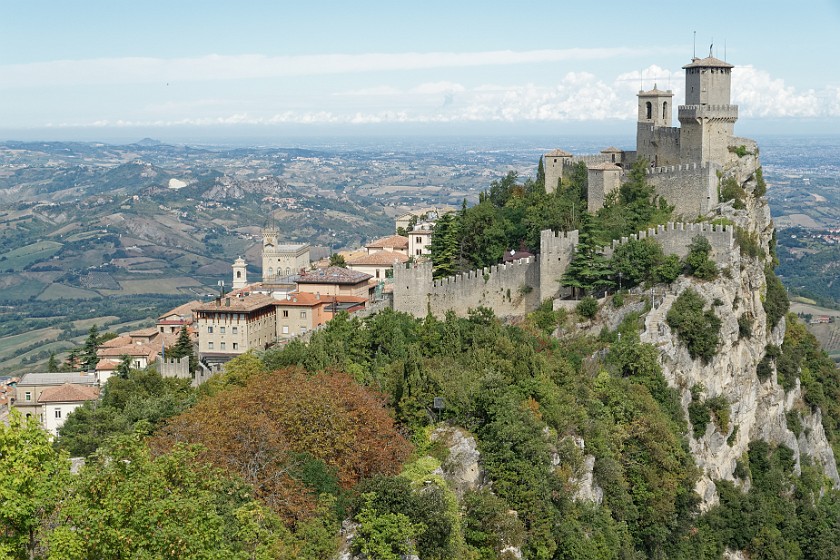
716	112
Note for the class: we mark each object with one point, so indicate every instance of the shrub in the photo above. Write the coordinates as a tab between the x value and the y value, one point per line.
748	243
698	412
618	300
794	422
697	260
719	407
776	302
731	190
699	330
587	308
745	322
739	151
760	184
764	370
669	270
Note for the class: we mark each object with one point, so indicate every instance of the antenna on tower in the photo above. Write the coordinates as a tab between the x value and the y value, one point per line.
724	49
694	52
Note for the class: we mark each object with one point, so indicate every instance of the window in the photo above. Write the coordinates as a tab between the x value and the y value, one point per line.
222	330
288	271
236	346
285	313
235	330
303	314
223	346
665	110
419	239
239	274
58	413
27	396
271	271
285	329
209	345
210	330
161	329
377	273
648	109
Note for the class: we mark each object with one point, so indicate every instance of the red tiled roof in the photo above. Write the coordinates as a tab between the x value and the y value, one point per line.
333	275
235	304
382	258
390	242
69	392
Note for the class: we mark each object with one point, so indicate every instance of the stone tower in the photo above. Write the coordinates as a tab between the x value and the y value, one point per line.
656	140
707	120
553	163
270	236
240	273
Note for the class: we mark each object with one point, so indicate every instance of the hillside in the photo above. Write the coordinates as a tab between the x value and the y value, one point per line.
94	230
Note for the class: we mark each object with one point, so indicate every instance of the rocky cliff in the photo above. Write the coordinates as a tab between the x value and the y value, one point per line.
757	409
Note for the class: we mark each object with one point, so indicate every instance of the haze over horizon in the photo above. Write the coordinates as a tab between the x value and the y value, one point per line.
210	71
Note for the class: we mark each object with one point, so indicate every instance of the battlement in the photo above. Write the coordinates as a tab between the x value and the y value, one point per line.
484	273
681	169
691	112
675	239
592	159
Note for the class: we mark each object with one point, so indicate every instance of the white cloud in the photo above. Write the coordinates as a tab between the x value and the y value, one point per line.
578	96
129	70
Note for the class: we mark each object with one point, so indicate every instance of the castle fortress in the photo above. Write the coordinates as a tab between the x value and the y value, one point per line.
684	160
686	163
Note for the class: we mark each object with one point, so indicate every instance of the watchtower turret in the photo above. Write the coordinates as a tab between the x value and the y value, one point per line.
655	107
707	120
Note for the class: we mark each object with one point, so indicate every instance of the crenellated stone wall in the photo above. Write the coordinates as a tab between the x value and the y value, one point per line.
675	238
509	289
517	288
691	188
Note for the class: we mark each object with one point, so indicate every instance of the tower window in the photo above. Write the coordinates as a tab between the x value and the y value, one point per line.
649	108
665	110
239	274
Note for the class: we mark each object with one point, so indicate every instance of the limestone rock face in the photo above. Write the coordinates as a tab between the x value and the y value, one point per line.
757	409
462	469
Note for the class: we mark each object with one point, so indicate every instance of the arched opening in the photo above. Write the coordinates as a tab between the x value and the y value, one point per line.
649	109
288	271
239	274
664	110
271	271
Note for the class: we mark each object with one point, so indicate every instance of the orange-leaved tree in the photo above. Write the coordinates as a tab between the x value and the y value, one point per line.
265	428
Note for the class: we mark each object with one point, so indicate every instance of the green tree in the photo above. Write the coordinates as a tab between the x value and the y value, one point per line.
33	476
127	504
697	261
52	364
589	269
541	172
184	348
337	260
444	247
88	355
699	330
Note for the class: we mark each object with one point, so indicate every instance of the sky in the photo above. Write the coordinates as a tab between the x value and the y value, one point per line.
184	69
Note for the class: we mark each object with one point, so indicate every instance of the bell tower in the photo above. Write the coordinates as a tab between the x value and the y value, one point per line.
240	273
655	137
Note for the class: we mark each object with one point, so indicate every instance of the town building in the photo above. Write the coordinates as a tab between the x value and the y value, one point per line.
44	396
281	259
301	312
379	265
172	321
233	324
336	281
420	239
